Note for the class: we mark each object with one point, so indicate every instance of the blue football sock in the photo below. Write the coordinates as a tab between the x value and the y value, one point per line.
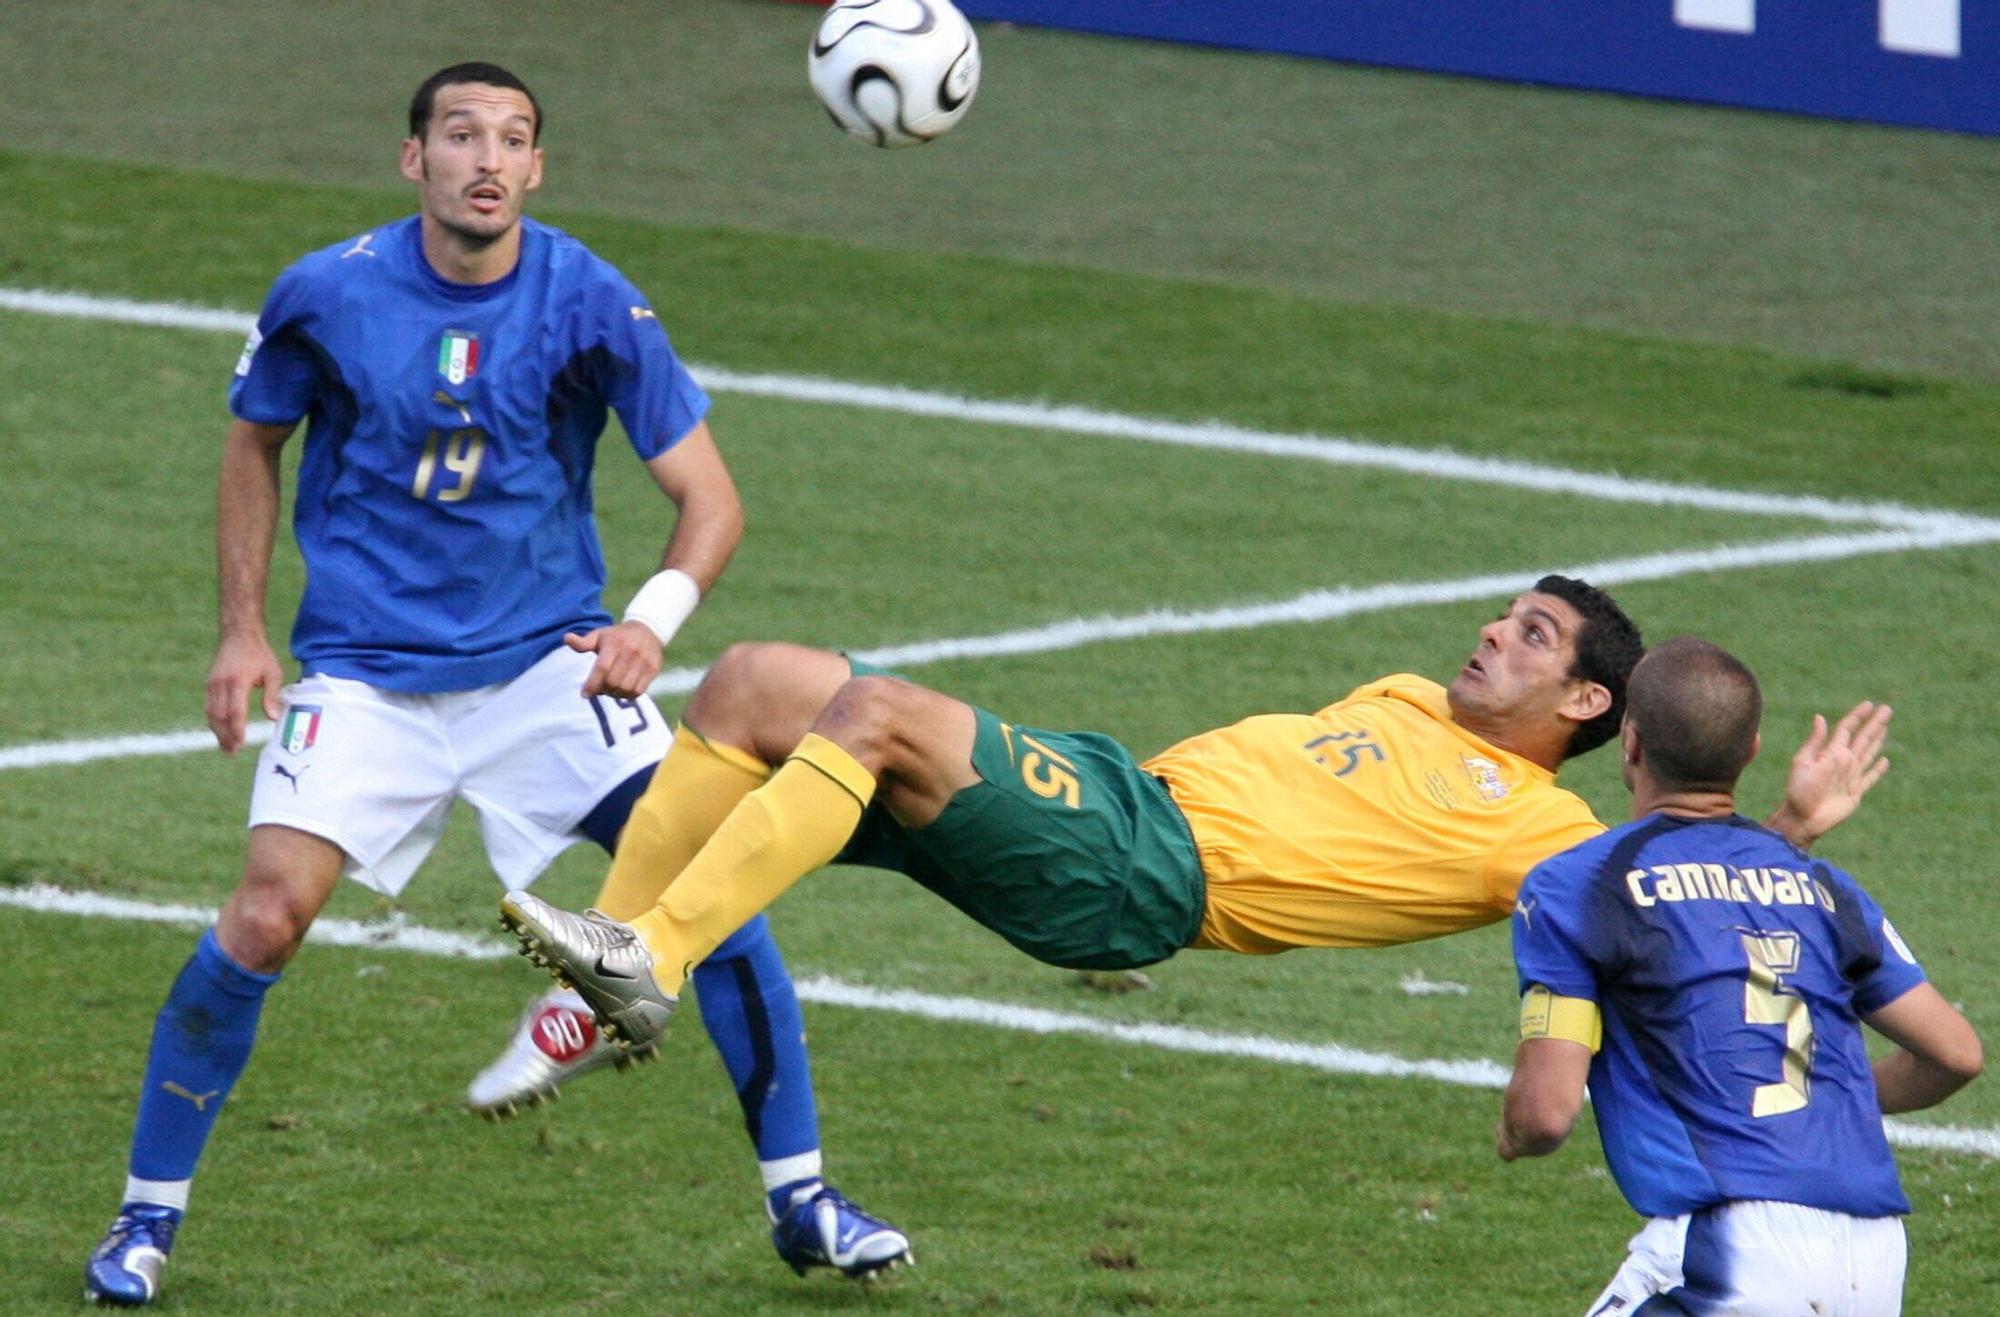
752	1014
201	1042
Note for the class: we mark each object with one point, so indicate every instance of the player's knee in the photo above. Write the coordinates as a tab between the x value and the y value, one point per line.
264	922
735	684
736	666
866	714
764	695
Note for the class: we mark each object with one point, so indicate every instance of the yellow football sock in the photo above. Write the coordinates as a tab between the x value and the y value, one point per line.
775	836
691	793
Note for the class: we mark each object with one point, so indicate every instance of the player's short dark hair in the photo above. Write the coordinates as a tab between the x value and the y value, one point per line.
492	75
1607	649
1696	708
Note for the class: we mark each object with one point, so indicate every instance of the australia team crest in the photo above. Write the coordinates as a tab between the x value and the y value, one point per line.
1485	777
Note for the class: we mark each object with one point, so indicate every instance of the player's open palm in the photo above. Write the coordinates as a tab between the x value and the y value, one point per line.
242	664
628	659
1837	766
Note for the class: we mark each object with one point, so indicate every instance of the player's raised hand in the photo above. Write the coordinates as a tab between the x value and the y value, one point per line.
628	659
1834	769
243	663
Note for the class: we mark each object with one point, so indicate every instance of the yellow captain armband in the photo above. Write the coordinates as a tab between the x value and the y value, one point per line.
1573	1019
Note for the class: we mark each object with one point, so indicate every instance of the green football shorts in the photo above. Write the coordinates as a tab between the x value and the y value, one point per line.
1065	847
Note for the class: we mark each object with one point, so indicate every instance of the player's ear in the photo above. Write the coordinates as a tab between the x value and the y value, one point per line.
535	173
412	163
1756	744
1587	700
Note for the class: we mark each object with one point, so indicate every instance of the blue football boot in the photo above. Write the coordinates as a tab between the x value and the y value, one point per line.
125	1268
823	1229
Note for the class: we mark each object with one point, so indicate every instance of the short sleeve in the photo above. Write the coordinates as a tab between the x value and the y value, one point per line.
1895	970
1548	947
1565	822
277	378
652	392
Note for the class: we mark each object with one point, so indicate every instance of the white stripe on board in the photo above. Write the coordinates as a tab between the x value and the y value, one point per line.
1437	463
1332	1058
1312	606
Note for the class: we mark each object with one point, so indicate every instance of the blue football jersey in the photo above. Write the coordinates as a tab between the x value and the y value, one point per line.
1730	970
444	501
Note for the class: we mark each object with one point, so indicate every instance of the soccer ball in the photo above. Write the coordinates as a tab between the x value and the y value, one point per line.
894	72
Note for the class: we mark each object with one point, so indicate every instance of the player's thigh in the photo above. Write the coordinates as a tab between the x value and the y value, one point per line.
1061	843
535	757
365	770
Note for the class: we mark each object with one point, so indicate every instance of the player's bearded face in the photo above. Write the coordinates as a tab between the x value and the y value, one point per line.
1521	667
477	161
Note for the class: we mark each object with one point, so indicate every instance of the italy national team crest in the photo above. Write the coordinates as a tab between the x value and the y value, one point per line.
458	356
300	728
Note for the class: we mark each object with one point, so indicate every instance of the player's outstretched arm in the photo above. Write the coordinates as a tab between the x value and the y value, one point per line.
1831	772
246	524
1938	1051
708	527
1544	1097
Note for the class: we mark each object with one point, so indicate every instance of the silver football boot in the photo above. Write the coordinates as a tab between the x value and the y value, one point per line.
604	960
556	1041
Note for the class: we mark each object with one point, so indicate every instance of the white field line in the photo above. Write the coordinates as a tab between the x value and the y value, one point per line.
1312	606
1332	1058
1435	464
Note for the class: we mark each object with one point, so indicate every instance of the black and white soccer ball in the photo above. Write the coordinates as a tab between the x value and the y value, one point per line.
894	72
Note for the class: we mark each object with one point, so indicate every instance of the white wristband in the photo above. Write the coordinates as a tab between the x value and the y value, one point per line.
664	602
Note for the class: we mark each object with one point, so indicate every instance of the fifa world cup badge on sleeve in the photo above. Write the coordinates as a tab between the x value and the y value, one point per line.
250	346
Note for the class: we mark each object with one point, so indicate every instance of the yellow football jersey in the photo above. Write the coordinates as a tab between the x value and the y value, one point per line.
1375	821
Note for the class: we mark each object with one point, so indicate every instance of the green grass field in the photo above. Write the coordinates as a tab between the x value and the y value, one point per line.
1379	283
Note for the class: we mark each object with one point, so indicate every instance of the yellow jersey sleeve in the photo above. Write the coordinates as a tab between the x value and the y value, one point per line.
1375	821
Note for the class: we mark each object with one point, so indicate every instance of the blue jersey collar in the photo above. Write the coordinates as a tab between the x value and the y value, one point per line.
459	292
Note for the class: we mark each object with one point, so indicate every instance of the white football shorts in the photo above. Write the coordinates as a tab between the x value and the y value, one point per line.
1764	1259
375	771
